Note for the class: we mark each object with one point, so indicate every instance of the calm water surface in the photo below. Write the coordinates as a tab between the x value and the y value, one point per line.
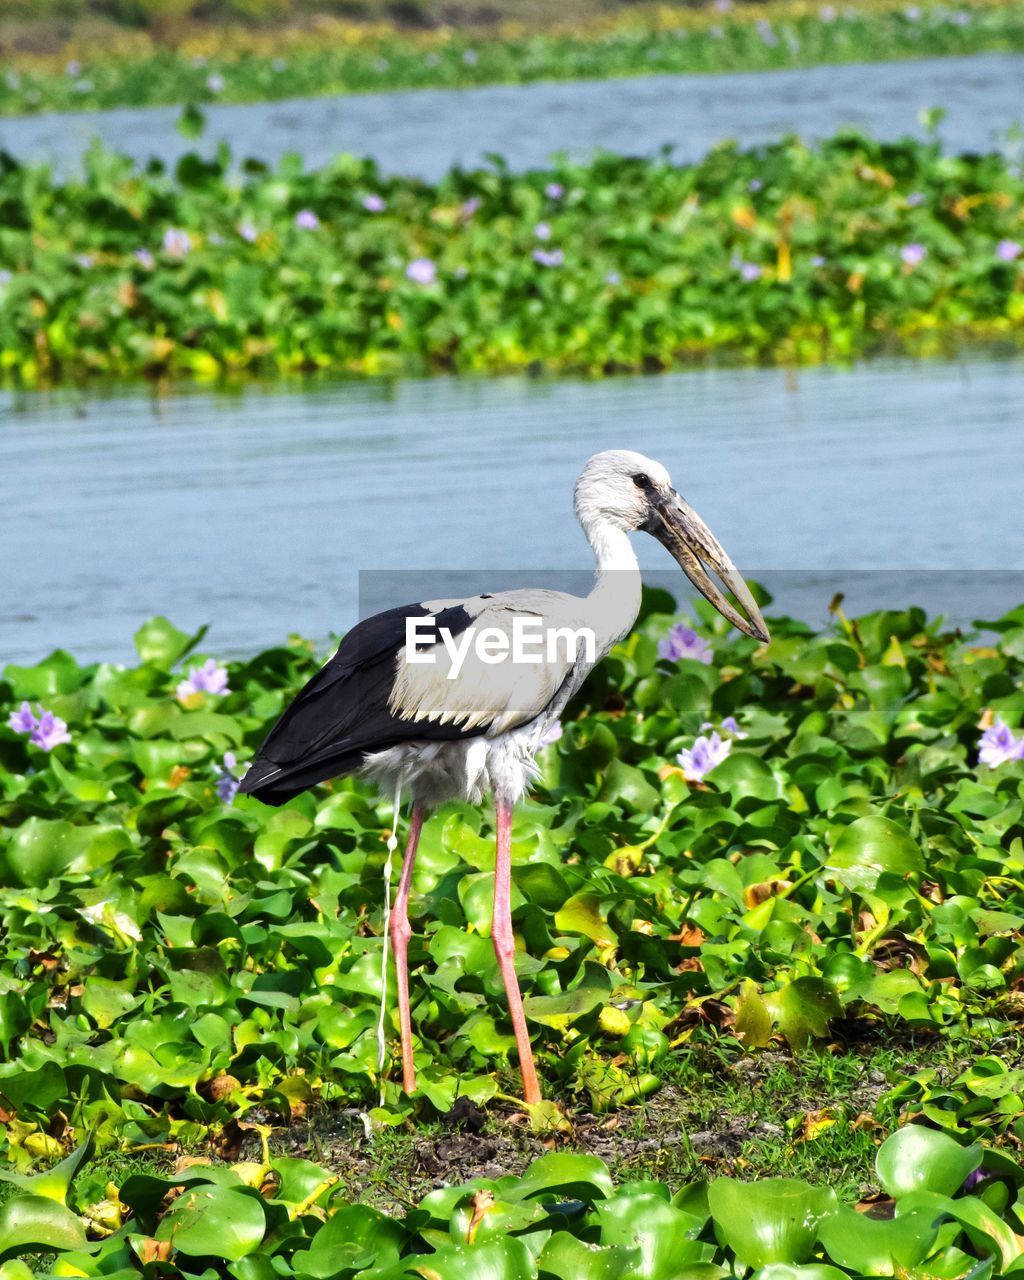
426	132
256	512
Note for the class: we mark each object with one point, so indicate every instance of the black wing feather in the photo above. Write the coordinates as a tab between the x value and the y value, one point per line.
342	713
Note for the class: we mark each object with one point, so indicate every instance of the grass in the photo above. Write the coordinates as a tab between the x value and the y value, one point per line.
103	69
720	1112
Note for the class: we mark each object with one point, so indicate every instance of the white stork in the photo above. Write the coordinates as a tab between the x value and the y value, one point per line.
387	709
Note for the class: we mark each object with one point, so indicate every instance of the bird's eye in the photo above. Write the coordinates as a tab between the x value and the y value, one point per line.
642	481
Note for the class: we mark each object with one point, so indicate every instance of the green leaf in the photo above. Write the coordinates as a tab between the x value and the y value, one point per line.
915	1158
44	849
583	914
502	1259
566	1175
564	1255
877	1246
561	1010
774	1220
625	783
216	1221
784	1271
191	122
30	1223
160	642
744	775
659	1232
355	1236
870	847
803	1010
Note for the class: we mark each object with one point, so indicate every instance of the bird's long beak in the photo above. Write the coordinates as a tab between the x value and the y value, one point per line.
678	527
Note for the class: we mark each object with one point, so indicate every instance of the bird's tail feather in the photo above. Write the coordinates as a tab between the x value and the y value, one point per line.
276	784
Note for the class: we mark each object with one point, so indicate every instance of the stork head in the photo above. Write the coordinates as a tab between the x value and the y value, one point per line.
627	491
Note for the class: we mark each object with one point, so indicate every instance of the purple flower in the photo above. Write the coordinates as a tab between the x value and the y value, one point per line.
612	277
549	257
542	231
554	191
215	83
959	18
755	184
973	1178
552	733
421	271
705	754
818	260
913	254
50	731
722	6
470	57
73	68
469	208
177	242
209	678
1007	250
307	220
915	198
827	13
682	641
730	725
749	271
912	13
768	36
84	260
248	231
374	203
226	783
22	720
144	257
998	745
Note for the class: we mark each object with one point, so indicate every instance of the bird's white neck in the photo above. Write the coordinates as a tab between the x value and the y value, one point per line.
614	601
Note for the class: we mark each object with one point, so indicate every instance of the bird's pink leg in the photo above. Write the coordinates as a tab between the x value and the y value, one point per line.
505	949
401	932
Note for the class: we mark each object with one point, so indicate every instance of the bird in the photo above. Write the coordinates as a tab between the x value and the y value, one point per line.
414	700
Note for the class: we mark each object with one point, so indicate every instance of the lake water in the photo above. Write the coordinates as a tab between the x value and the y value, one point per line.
257	511
425	132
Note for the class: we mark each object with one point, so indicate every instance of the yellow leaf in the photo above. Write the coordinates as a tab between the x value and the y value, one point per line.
753	1022
744	216
613	1022
893	656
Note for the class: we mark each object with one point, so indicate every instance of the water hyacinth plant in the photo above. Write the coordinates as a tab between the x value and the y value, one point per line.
706	754
177	959
44	730
998	745
637	264
207	678
243	64
682	641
